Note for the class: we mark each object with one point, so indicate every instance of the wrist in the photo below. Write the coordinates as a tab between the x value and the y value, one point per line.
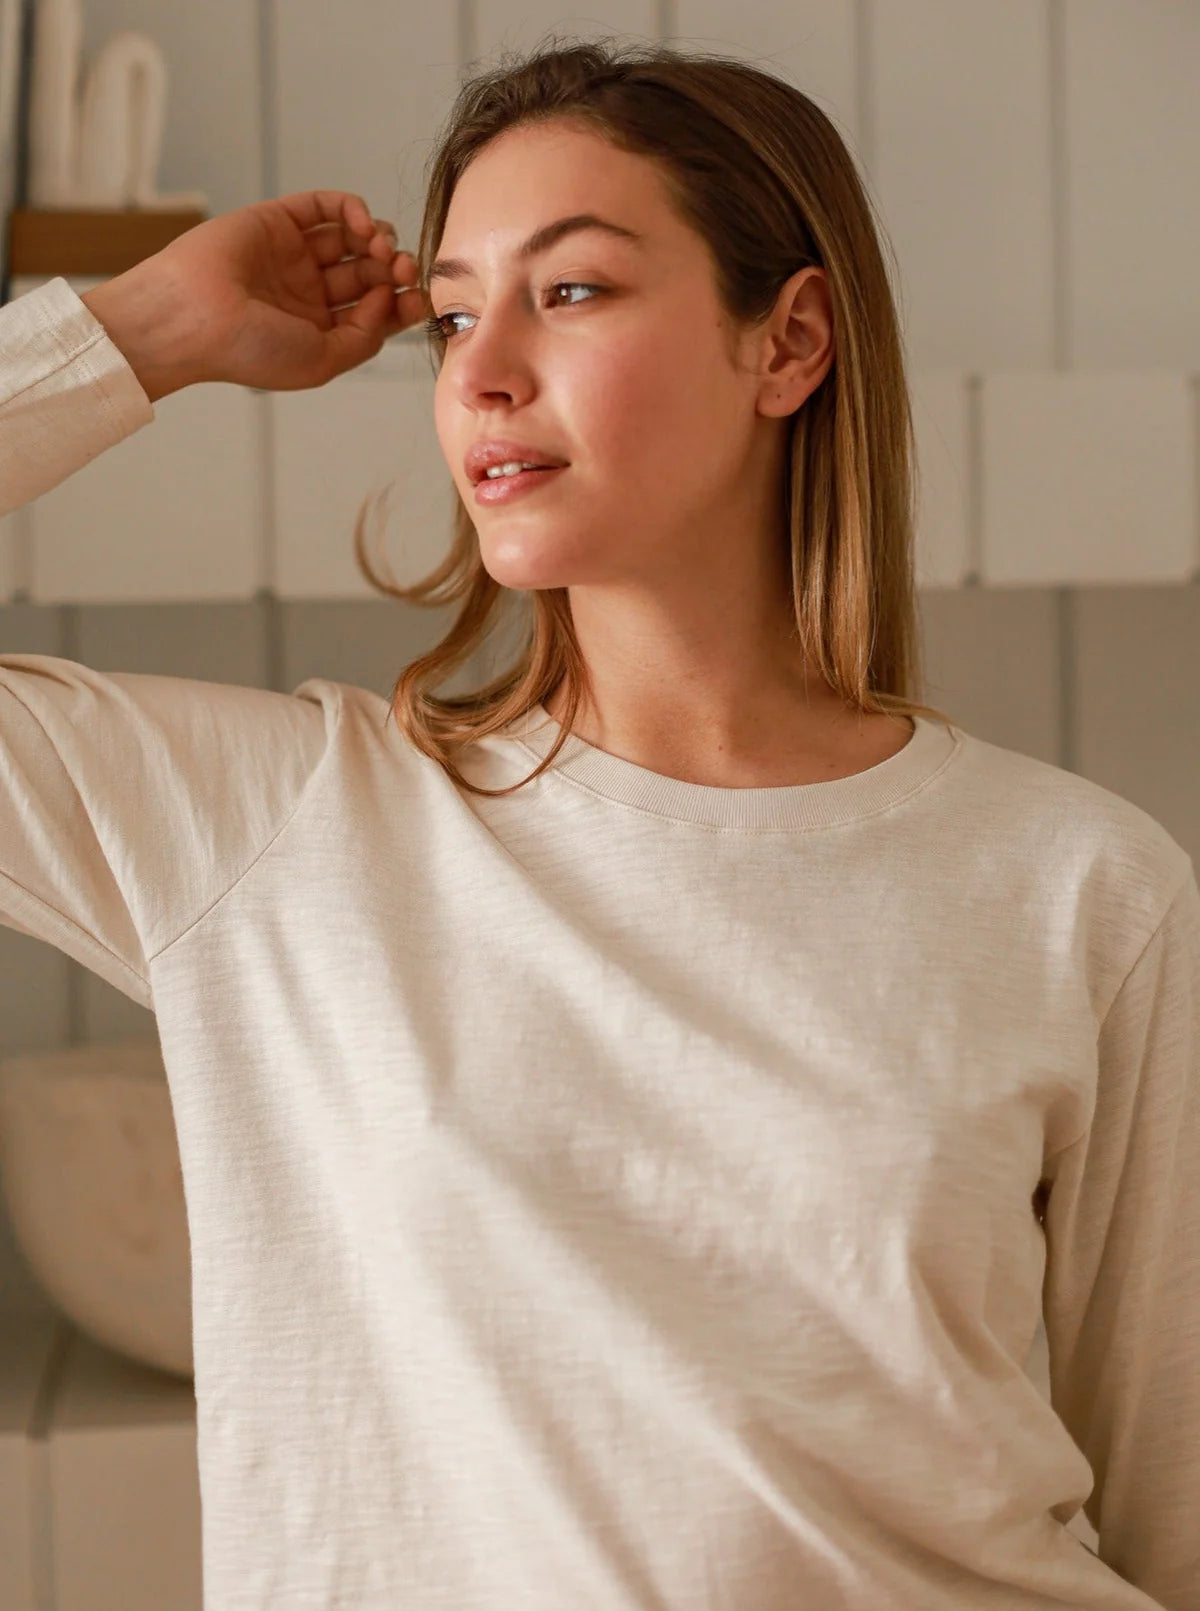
144	320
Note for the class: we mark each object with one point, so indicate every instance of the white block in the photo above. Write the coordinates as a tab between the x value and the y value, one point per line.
334	447
1088	478
1132	111
172	513
940	403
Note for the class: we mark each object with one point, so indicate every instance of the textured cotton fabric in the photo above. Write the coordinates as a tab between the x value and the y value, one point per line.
626	1194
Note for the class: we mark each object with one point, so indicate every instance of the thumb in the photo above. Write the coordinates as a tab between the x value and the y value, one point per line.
360	331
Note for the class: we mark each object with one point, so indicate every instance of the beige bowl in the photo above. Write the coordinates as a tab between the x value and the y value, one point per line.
89	1169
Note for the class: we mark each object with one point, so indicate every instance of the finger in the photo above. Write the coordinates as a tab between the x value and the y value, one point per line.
409	306
344	282
339	223
311	208
383	242
359	332
383	312
330	244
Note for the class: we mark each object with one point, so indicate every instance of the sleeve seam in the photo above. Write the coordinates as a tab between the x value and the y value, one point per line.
77	928
1151	937
262	850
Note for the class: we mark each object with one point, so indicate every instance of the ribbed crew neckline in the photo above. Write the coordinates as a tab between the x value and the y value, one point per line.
801	805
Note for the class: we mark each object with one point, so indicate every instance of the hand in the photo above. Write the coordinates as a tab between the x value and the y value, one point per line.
259	296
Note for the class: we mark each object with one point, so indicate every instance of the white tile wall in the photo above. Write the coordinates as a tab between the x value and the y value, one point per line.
1131	106
950	116
811	43
1088	478
335	446
961	153
501	26
940	400
171	513
355	96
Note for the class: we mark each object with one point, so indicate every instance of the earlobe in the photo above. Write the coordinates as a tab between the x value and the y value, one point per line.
793	381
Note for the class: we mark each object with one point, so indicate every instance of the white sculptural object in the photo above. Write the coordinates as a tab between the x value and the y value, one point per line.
97	147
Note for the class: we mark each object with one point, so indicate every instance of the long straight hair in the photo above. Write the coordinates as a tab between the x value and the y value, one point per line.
761	173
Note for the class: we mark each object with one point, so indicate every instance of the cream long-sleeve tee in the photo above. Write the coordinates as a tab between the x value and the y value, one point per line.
628	1194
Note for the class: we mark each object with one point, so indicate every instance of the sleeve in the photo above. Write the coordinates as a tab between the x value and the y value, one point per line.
66	392
130	803
1121	1296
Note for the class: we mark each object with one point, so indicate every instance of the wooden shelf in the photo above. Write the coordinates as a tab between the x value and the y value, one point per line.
99	244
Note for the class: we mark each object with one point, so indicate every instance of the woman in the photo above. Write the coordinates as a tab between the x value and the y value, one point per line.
634	1181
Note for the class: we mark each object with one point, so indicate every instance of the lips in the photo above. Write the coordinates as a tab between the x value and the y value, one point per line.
483	455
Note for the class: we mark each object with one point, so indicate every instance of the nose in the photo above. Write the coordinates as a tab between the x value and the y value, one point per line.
495	360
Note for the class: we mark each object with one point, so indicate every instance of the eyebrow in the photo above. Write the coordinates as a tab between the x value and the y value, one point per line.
457	268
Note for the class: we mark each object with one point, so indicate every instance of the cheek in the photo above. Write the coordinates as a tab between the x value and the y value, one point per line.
672	416
452	448
630	402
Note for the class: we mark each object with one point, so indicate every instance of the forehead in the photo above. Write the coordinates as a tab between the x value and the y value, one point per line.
534	184
558	151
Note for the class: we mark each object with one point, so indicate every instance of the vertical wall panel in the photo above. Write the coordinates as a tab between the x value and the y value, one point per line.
961	151
356	98
521	24
810	43
1132	116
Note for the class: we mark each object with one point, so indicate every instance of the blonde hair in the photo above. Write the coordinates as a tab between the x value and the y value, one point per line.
761	173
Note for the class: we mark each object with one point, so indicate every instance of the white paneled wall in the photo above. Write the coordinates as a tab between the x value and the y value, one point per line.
814	44
1088	478
500	26
357	94
941	425
1031	165
960	111
1130	103
333	448
171	513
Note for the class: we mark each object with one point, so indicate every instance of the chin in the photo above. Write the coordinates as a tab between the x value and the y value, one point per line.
513	565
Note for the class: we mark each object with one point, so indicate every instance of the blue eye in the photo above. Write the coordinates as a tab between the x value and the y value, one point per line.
436	326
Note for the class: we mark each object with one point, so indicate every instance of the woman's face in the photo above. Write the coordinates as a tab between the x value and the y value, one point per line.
608	353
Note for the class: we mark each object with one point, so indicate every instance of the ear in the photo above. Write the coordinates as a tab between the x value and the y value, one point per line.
797	343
